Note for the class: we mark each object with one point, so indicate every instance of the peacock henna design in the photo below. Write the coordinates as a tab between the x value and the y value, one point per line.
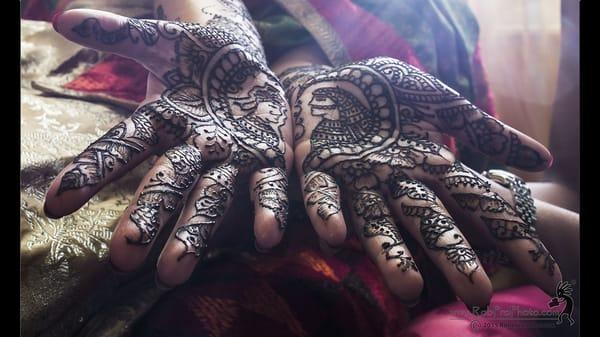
271	190
378	223
322	191
164	191
217	188
221	99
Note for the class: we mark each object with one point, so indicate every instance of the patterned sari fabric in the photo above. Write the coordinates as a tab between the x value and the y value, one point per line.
295	290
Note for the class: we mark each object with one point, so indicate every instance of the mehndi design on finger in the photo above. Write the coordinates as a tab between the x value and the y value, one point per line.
474	194
135	29
209	207
438	232
322	191
117	146
164	191
271	191
378	223
437	228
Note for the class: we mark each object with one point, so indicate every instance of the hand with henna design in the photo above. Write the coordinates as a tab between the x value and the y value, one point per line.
368	134
215	113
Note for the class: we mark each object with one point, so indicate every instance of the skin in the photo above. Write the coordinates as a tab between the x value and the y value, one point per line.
196	177
215	115
463	207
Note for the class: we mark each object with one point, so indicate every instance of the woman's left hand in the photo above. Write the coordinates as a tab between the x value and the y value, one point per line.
373	128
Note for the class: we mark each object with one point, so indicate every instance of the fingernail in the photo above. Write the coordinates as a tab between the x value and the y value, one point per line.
260	249
48	213
551	161
55	18
160	285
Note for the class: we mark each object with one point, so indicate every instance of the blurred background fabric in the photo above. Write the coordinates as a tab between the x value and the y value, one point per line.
521	50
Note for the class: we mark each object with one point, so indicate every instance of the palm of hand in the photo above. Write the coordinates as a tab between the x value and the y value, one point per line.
220	118
369	127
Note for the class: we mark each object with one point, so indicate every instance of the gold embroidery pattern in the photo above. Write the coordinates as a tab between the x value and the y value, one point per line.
87	230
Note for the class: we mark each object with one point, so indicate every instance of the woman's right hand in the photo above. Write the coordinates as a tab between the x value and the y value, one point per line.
368	134
216	115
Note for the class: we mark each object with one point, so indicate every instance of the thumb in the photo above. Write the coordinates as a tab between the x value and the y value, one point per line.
109	32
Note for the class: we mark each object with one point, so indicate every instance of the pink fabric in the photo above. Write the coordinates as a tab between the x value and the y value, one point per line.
363	34
454	320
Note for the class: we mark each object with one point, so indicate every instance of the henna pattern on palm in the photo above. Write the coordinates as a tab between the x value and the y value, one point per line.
378	224
292	80
272	193
221	99
210	207
373	121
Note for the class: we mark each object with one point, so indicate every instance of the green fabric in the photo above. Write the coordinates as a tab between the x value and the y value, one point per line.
442	33
279	31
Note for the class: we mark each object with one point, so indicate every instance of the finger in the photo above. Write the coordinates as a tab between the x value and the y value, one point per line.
484	201
423	98
203	213
158	197
109	32
379	235
269	195
492	137
424	216
120	150
322	202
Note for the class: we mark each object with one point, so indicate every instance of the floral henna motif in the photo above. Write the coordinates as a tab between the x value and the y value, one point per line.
322	191
473	194
164	191
372	120
378	223
117	146
217	191
271	191
437	228
221	98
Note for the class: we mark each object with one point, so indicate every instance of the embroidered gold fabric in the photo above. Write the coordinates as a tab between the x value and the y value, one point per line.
64	277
